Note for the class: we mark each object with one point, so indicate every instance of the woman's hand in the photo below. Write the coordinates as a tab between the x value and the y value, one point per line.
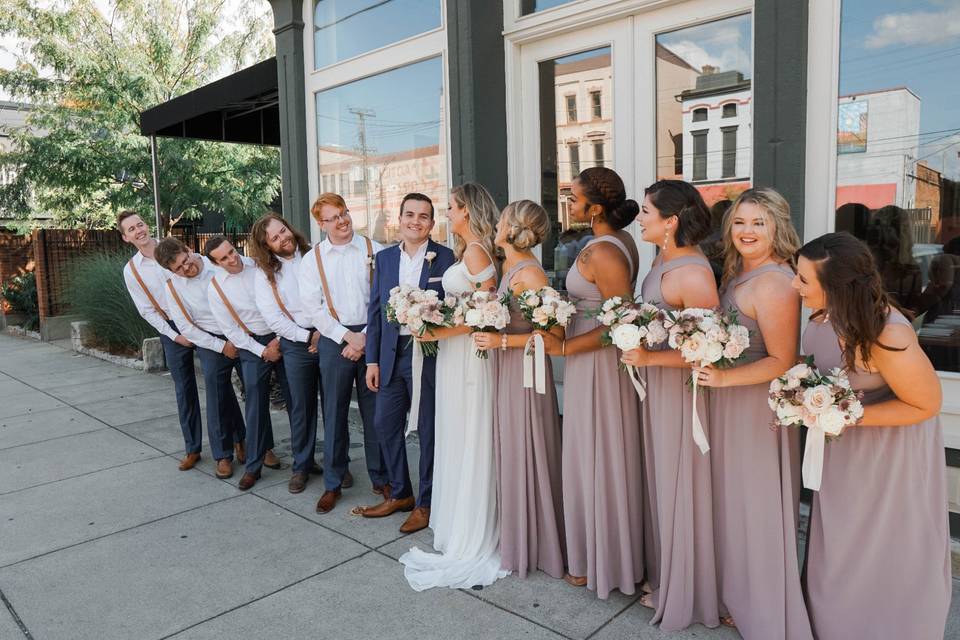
486	340
639	357
551	343
710	376
427	336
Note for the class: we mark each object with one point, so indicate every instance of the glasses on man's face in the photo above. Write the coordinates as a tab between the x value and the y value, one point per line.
343	215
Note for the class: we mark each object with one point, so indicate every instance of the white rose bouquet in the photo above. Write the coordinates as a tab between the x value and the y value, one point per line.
420	311
482	311
706	337
632	324
545	309
824	404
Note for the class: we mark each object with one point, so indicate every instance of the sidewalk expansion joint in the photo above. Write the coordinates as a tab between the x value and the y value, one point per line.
16	617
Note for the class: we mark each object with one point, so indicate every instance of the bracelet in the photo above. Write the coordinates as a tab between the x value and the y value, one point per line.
563	348
503	342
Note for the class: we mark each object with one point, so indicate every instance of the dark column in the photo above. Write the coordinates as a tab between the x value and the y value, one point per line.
478	117
288	30
780	99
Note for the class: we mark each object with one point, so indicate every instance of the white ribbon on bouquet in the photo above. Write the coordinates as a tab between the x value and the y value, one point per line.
415	394
535	364
639	384
812	469
699	437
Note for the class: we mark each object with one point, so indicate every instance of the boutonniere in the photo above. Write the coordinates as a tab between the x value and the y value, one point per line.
430	256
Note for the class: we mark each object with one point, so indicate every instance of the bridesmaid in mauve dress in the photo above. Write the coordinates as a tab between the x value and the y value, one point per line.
681	570
756	470
878	560
526	424
602	473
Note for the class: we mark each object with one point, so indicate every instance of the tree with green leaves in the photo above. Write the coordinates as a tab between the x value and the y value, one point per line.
88	69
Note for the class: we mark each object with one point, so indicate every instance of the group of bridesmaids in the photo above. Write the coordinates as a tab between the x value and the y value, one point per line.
620	496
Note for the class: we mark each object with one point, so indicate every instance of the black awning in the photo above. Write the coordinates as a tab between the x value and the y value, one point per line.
242	107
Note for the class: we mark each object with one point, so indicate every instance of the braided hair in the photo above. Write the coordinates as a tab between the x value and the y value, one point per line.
602	186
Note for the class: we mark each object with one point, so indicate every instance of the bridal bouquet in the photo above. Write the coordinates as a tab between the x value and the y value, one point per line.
706	337
824	404
544	308
632	324
420	311
483	311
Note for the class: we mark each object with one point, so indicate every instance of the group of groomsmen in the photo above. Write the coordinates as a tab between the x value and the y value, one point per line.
314	318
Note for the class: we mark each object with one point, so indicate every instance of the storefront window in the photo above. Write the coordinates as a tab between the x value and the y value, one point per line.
569	145
532	6
382	137
342	30
898	158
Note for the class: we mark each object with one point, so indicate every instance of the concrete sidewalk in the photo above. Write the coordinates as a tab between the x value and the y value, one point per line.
102	537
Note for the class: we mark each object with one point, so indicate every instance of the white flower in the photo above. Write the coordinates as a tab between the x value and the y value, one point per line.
713	352
541	316
656	333
473	318
831	421
818	399
626	336
429	256
789	414
533	300
798	371
776	386
611	303
694	348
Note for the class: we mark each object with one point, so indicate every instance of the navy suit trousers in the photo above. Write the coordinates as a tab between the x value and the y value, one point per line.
256	384
180	363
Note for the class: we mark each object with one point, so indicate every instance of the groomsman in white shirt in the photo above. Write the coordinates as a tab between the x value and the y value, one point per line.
278	248
147	283
335	291
232	302
187	300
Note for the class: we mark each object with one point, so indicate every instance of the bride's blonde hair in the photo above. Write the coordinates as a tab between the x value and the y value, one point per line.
483	215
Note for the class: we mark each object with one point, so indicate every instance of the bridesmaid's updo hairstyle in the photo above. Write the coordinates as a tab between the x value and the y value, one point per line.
529	224
604	187
856	302
681	199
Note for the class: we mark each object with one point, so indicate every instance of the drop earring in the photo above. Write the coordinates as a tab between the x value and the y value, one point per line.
666	239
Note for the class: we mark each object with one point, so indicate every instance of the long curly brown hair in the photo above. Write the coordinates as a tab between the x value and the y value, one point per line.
856	302
260	250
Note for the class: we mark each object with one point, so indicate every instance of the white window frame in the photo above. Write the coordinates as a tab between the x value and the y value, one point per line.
820	190
424	46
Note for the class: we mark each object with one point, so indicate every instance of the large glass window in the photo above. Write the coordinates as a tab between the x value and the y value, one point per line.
704	97
384	136
898	157
561	139
532	6
343	29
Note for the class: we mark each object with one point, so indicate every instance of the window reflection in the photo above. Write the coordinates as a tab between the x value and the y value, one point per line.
380	138
576	132
343	30
532	6
898	168
704	115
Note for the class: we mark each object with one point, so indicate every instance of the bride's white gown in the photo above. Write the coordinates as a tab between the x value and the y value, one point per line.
463	513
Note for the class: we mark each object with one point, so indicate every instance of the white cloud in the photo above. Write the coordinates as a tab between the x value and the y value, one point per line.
731	58
917	27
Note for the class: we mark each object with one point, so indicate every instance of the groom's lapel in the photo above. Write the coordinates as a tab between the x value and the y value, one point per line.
392	275
427	269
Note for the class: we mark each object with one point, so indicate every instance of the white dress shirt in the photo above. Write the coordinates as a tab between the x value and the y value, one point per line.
239	290
193	295
155	277
288	287
348	275
410	269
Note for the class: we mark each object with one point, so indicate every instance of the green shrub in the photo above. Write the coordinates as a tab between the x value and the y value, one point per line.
20	292
98	294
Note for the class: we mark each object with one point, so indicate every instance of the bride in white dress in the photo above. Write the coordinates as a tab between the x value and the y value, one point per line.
463	516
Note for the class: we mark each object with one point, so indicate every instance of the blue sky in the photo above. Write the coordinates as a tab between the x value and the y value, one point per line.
913	44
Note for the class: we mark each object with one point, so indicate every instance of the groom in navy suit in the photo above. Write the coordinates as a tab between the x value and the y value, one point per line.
420	262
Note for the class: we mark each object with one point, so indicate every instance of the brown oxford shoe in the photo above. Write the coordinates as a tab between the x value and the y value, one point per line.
347	480
271	461
189	461
224	468
297	483
387	507
383	490
419	519
247	480
240	452
328	501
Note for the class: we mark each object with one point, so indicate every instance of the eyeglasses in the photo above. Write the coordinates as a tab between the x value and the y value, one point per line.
343	215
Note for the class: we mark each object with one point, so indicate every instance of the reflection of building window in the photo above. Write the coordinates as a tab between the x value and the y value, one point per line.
730	110
344	184
699	155
700	115
574	160
595	105
729	152
678	153
571	108
598	154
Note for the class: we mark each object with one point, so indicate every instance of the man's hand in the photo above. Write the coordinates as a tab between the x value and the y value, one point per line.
182	341
373	377
230	350
314	341
351	354
356	340
272	352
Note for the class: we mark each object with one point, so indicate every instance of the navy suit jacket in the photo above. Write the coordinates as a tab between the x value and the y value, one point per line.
383	337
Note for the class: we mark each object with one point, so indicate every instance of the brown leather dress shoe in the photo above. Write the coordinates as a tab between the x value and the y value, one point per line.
271	461
224	468
247	480
388	507
347	480
189	461
298	482
419	519
240	452
328	500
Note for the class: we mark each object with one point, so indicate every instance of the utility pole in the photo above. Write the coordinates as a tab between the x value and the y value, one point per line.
365	151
